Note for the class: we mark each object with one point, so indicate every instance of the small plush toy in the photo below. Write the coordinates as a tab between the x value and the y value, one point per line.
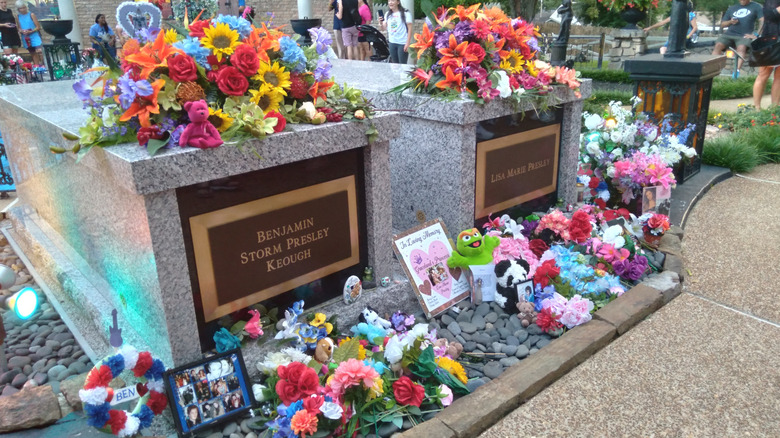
510	273
526	314
199	133
324	351
452	349
370	316
473	249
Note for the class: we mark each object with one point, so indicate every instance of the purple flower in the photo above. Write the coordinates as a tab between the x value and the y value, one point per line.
175	136
322	72
533	43
462	31
528	227
401	321
321	39
631	270
442	39
542	294
83	90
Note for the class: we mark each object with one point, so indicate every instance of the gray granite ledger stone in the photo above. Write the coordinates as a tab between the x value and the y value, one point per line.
105	232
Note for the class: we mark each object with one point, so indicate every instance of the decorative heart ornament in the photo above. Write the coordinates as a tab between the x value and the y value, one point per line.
141	388
134	16
431	267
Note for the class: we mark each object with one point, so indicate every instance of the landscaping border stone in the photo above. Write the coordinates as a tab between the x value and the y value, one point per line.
475	413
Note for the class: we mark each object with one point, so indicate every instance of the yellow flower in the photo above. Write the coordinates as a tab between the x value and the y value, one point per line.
171	36
512	62
453	367
377	389
220	39
267	98
274	75
720	126
319	321
220	120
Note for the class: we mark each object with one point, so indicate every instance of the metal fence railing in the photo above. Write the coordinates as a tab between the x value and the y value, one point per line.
587	51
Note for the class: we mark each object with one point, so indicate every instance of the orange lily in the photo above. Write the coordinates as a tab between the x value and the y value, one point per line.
454	52
466	13
143	107
495	15
319	89
451	80
423	76
262	44
152	56
443	17
273	34
422	42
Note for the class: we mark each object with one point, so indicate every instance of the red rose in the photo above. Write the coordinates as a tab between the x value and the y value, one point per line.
580	227
538	247
146	134
280	120
407	392
245	59
658	221
231	82
545	272
287	392
313	404
182	68
474	50
296	381
196	28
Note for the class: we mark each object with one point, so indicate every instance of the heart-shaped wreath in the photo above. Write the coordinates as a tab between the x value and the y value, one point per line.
134	16
96	393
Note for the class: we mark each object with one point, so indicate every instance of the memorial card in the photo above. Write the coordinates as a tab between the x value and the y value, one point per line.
656	199
423	252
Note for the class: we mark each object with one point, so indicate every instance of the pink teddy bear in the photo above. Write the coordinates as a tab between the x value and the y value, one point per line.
199	133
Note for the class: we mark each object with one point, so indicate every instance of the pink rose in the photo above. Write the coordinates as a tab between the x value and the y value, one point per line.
557	303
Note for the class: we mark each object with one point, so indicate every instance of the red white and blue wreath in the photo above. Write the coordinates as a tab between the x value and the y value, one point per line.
96	394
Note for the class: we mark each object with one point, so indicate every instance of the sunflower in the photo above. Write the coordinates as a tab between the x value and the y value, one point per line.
274	75
171	36
220	39
267	98
512	62
453	367
220	120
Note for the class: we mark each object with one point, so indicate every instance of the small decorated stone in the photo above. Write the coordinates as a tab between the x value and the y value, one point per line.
352	289
385	281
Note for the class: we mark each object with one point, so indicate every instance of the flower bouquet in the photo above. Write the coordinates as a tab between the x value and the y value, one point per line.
620	5
484	55
654	227
253	81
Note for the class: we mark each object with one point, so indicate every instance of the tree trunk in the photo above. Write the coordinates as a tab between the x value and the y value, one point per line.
526	9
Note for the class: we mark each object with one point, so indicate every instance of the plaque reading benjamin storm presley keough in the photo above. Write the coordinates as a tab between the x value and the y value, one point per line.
516	168
253	251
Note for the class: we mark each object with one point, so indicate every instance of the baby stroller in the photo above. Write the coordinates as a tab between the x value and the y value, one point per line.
377	41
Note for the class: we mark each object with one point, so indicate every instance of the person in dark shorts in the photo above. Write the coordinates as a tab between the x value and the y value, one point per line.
741	22
338	44
9	34
771	29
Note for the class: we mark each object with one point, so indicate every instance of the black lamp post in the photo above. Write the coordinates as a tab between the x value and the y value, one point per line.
677	85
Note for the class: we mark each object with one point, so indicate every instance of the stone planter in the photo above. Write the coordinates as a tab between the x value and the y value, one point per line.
632	16
58	29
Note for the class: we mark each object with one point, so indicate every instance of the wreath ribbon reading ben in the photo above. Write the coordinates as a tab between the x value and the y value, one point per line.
96	394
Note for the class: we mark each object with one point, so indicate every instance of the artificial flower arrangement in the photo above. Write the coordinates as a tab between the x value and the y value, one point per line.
654	226
482	54
619	5
11	61
621	153
384	372
254	80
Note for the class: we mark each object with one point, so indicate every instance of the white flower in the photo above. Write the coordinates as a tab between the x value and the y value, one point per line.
296	355
617	152
611	171
594	148
689	152
331	410
394	350
617	136
593	121
512	226
500	78
257	389
614	236
273	361
309	109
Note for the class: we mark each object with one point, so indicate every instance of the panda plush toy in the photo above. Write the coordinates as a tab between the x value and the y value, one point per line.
510	273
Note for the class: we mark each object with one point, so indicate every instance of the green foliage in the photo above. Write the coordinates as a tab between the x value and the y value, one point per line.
614	76
726	88
766	142
731	151
745	117
599	99
347	350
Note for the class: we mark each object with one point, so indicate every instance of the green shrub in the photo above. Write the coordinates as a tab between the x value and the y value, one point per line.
766	141
745	117
600	99
618	76
726	88
731	151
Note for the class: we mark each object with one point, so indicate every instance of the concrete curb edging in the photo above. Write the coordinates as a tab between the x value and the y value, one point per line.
471	415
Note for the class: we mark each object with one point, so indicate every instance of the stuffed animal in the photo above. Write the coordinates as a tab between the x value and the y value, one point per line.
324	351
526	313
452	349
510	273
473	249
199	133
370	316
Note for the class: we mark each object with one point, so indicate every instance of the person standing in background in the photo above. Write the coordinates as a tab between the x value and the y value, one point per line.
741	21
690	37
349	15
101	35
338	44
9	33
399	31
365	15
30	31
771	29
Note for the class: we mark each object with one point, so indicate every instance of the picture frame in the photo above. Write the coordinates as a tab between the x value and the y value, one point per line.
522	291
208	392
423	252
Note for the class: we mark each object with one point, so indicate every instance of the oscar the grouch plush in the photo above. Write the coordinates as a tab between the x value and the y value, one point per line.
473	249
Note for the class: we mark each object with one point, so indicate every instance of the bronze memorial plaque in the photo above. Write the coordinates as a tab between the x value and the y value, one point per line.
253	251
515	169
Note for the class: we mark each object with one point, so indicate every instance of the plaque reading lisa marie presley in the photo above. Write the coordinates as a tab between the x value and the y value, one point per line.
251	252
515	169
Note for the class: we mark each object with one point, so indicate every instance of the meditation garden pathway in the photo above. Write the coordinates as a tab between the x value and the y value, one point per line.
703	365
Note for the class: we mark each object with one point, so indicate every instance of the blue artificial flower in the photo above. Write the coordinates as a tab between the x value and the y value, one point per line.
225	340
239	24
322	72
191	46
281	426
293	55
83	90
155	371
297	307
145	417
116	363
320	39
147	34
97	416
175	136
379	367
540	294
369	331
